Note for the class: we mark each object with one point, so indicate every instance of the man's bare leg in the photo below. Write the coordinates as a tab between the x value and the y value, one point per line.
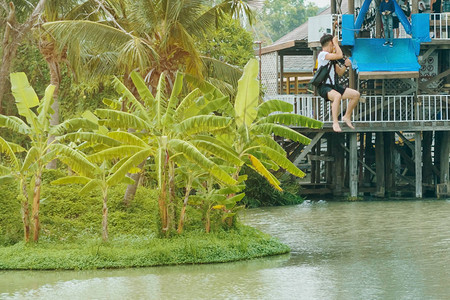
335	97
353	97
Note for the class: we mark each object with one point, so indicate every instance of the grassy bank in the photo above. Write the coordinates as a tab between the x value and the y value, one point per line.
140	251
71	234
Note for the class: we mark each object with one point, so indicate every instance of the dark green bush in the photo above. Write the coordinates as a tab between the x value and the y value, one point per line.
259	192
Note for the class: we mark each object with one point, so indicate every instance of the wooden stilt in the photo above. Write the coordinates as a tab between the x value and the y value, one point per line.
353	165
379	162
361	156
397	166
444	157
318	162
368	158
313	165
338	165
427	170
329	164
389	142
418	158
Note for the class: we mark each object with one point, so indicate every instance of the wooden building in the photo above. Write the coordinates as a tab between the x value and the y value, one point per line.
401	144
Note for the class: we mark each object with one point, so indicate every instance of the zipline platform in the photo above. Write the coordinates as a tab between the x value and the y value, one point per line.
388	75
369	55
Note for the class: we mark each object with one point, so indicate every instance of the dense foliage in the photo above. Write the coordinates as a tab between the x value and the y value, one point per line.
283	16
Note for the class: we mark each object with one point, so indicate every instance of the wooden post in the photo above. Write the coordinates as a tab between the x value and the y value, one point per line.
333	6
418	157
389	142
397	166
339	165
288	85
368	158
281	73
444	157
362	145
353	165
415	6
351	7
427	161
329	164
318	153
313	165
379	162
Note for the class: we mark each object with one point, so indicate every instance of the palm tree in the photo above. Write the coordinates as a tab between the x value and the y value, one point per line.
149	37
13	35
55	10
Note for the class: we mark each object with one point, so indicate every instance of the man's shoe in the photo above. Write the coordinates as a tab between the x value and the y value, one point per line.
391	45
386	43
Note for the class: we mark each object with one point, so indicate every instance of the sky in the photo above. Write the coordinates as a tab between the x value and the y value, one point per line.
320	3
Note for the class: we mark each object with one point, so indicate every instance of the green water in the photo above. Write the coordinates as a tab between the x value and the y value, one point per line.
362	250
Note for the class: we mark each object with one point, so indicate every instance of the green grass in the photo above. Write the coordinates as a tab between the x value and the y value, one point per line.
71	233
141	251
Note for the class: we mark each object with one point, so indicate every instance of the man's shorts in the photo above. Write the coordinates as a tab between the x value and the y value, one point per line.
325	88
395	22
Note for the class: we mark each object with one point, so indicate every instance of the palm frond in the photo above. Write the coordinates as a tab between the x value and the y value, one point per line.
216	150
206	123
281	130
76	160
282	161
127	138
120	119
259	167
192	154
6	149
114	153
143	91
72	125
132	162
292	119
15	124
222	70
270	106
91	138
71	180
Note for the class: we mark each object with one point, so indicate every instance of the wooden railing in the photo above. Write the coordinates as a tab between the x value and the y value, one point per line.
375	108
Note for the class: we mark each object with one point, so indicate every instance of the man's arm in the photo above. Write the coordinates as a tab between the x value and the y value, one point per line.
338	54
341	70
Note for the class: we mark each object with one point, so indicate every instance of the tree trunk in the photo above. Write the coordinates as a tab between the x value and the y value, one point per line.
132	188
13	36
208	221
162	200
183	209
171	211
36	202
25	212
55	79
105	216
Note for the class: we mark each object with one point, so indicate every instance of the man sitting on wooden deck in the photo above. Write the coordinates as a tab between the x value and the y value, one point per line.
331	90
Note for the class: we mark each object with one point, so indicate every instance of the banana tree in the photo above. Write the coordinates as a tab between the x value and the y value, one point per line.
15	169
94	176
256	123
36	127
163	126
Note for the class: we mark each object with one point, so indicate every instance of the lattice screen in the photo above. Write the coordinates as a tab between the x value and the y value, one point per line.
269	73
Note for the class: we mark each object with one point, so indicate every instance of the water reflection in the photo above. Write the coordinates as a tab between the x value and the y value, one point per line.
369	250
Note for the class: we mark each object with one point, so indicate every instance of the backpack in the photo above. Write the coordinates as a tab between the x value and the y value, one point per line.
321	75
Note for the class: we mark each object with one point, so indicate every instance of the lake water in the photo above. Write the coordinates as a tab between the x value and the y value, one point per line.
340	250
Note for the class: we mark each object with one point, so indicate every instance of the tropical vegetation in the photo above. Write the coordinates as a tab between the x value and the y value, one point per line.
178	129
